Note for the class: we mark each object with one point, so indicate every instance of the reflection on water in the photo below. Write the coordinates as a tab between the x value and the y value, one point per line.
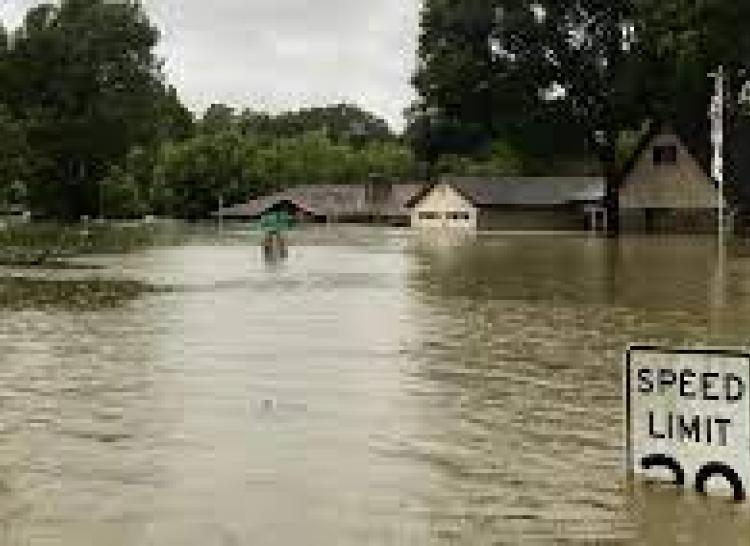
374	388
520	342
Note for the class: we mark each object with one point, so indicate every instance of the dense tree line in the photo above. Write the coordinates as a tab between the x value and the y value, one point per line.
187	178
89	126
569	78
80	85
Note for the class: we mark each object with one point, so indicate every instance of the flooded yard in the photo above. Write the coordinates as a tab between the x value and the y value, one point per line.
377	387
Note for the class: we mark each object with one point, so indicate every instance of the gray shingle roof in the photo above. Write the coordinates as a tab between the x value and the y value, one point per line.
523	191
328	200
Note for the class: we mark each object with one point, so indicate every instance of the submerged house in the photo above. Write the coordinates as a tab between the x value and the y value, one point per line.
511	203
377	202
667	184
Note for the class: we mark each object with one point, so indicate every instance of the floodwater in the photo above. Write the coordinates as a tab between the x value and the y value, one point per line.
376	387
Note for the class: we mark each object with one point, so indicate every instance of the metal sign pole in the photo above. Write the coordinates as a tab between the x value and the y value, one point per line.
717	140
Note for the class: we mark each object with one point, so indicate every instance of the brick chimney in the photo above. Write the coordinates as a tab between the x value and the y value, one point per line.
378	192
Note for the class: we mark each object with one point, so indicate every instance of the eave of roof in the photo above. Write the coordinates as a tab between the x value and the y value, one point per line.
691	138
521	191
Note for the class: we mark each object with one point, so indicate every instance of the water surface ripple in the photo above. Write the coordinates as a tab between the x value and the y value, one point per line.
378	387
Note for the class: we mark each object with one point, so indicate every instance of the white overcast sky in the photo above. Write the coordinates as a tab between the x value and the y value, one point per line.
280	55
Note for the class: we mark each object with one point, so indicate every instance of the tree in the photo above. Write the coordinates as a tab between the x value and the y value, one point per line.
190	176
15	159
681	42
89	126
217	118
590	69
173	120
342	123
121	194
3	40
567	62
84	79
501	160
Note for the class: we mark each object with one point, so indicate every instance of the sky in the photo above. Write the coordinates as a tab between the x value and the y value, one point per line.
277	55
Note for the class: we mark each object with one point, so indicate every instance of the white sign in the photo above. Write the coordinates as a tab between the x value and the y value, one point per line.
688	416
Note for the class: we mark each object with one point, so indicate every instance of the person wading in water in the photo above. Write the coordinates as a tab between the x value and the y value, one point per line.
274	246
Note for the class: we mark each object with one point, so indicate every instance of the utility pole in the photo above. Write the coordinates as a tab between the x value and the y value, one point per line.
716	114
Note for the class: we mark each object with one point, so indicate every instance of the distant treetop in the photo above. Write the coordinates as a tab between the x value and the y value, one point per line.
340	122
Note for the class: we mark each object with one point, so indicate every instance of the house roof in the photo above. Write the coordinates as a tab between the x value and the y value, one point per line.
696	137
528	191
327	200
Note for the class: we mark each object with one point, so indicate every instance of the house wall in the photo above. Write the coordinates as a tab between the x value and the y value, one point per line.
672	198
441	202
682	185
669	221
562	218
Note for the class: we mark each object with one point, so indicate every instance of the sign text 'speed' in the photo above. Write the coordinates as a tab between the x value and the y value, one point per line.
708	386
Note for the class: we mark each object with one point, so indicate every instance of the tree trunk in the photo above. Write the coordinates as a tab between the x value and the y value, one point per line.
612	201
612	185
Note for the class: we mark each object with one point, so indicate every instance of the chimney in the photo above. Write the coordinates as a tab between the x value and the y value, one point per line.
378	192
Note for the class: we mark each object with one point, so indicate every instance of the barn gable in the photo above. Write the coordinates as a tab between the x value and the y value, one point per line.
666	175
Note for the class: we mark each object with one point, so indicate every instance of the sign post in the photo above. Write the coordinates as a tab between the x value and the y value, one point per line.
717	141
688	417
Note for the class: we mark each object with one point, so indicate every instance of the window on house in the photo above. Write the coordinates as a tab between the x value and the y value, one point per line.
665	155
458	216
429	216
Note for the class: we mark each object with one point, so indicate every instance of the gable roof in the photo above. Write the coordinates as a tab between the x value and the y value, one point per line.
694	136
520	191
327	200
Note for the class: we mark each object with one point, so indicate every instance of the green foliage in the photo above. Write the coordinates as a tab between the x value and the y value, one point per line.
389	159
581	70
15	159
217	118
83	78
681	41
501	160
173	121
3	39
342	123
189	177
89	127
627	145
120	195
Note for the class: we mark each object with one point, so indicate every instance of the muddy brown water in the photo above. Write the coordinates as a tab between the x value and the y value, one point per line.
376	387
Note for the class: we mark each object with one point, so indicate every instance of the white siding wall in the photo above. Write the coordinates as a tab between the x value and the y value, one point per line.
435	209
682	185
